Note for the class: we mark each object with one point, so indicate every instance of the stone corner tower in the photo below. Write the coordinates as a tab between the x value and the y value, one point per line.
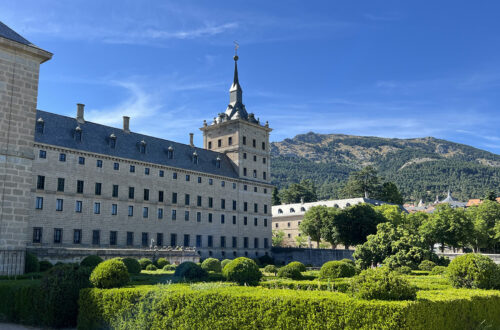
240	136
19	69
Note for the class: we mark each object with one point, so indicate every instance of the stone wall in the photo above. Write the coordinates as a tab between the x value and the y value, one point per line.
495	257
315	257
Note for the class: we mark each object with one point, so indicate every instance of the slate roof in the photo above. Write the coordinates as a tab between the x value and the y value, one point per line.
60	131
8	33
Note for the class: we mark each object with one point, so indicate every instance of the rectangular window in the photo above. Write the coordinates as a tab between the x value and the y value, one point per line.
160	213
245	221
255	221
264	160
99	163
244	171
42	154
161	173
159	239
186	240
186	199
114	209
234	205
112	237
254	143
265	208
234	219
62	157
210	182
265	222
198	201
78	206
235	242
210	202
245	242
174	198
77	236
130	211
40	182
97	208
210	145
57	235
146	171
266	243
130	238
244	140
210	241
244	155
39	203
198	216
245	187
60	184
223	241
146	194
263	146
245	206
186	215
174	176
81	160
115	190
160	196
254	173
116	166
132	168
223	203
219	143
229	140
59	205
256	243
98	188
173	239
174	215
255	207
264	175
188	177
145	212
96	237
254	158
199	179
210	217
254	189
198	241
37	235
234	185
222	218
223	183
145	239
131	192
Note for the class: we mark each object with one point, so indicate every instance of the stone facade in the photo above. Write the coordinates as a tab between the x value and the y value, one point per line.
19	69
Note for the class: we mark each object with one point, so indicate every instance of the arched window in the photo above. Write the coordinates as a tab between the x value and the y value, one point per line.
78	134
280	211
348	204
336	206
40	125
195	157
292	210
217	162
112	140
142	147
302	209
170	152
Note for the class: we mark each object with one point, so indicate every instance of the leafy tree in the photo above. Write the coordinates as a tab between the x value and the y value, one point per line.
301	240
392	213
491	195
297	192
313	222
484	217
275	197
390	193
377	246
278	237
362	182
328	229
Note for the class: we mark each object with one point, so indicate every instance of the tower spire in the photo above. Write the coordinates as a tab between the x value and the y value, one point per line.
235	92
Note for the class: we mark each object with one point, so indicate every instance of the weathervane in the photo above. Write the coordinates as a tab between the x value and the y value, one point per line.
236	46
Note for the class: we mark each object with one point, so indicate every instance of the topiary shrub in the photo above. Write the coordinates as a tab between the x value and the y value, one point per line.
162	262
426	265
300	266
266	260
382	284
111	273
225	262
211	264
337	269
473	270
91	261
271	269
61	288
242	271
290	271
349	261
45	265
31	264
403	270
169	267
438	270
144	262
133	266
152	268
190	271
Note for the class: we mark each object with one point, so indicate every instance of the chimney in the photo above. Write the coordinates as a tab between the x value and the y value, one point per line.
126	124
79	113
191	143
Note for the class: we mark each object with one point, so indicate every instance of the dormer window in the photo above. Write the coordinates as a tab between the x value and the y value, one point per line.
280	211
217	162
78	134
336	206
170	152
112	140
302	209
292	210
40	124
142	147
195	157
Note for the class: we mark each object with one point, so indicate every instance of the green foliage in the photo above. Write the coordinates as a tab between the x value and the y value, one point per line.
45	265
297	264
426	265
151	268
289	271
337	269
162	262
474	270
297	192
212	264
438	270
278	237
405	270
190	271
111	273
313	222
275	199
390	193
169	267
31	264
91	261
225	262
382	284
349	261
242	271
266	260
484	218
271	269
133	266
144	262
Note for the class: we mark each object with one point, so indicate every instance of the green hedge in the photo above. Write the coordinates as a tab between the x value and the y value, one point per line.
21	302
340	285
182	307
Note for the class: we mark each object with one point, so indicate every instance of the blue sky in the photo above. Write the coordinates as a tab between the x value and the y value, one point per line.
380	68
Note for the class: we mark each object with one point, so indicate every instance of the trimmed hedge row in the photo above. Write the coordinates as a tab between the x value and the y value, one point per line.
339	285
179	306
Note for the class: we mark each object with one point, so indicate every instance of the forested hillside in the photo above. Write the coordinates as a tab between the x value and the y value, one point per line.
421	167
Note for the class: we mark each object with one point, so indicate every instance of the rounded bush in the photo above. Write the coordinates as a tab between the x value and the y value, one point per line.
382	284
190	271
337	269
111	273
31	264
271	269
290	271
475	271
91	261
242	271
133	266
162	262
404	270
300	266
349	261
45	265
225	262
438	270
211	264
426	265
151	267
169	267
144	262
